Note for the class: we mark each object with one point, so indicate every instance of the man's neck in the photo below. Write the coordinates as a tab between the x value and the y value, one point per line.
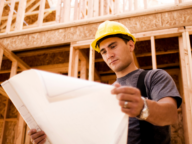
127	70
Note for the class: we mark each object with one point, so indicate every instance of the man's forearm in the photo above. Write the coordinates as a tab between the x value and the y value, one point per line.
163	112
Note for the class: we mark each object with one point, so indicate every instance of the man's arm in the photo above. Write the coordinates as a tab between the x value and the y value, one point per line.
161	113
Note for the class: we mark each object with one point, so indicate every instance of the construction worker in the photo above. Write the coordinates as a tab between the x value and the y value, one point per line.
149	98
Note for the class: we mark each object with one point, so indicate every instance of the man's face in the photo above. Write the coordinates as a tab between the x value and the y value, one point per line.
116	53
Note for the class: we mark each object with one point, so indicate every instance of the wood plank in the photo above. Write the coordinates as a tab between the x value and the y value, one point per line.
1	8
20	15
96	8
14	68
27	137
10	55
3	93
158	53
153	51
5	115
91	64
71	61
1	57
76	10
83	72
58	11
101	7
8	28
67	10
130	5
20	133
145	4
187	117
41	13
76	63
116	7
135	4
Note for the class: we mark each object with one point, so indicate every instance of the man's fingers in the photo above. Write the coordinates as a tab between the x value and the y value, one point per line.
126	97
125	89
117	85
39	139
37	135
31	131
42	142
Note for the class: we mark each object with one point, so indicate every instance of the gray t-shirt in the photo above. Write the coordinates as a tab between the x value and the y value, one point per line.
159	84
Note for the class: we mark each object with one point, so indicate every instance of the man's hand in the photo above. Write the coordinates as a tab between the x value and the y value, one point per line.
37	137
132	96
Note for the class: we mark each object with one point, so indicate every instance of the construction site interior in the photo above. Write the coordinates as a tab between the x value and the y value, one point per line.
55	36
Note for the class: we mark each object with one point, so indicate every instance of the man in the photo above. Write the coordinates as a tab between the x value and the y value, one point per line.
151	107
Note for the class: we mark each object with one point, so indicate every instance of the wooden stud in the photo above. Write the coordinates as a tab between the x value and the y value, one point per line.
76	10
187	117
116	7
3	93
145	4
96	8
71	61
5	115
154	63
101	7
27	137
91	64
83	72
76	63
10	16
10	55
20	15
1	8
1	57
176	2
130	5
20	133
58	11
14	68
41	13
135	4
67	10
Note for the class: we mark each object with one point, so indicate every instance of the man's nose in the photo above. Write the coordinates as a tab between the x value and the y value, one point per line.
110	54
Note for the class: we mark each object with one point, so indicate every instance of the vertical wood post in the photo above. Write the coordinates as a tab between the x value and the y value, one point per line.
76	63
96	8
116	6
1	8
186	105
67	9
71	61
5	115
58	11
91	64
101	7
1	57
20	15
90	9
153	52
27	137
8	28
130	5
41	13
76	10
135	4
145	4
83	72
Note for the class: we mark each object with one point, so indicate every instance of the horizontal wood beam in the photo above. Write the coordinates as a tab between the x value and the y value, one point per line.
10	55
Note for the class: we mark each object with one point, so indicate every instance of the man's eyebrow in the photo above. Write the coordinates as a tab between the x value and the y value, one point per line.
112	43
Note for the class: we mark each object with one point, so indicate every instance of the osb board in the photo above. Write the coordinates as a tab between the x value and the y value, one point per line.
2	106
135	24
39	60
9	133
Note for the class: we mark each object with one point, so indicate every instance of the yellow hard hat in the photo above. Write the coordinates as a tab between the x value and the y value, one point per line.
110	28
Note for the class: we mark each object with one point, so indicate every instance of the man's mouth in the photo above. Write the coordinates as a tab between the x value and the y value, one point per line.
113	62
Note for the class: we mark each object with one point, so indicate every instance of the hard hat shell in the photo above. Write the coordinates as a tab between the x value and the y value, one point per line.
110	28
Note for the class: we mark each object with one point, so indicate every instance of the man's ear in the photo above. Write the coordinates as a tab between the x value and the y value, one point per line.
132	45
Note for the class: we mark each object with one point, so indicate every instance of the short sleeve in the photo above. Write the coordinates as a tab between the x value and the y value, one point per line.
159	84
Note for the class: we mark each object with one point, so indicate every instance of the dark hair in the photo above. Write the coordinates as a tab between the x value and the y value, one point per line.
124	37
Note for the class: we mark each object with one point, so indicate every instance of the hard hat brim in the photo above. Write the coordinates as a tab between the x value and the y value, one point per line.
93	44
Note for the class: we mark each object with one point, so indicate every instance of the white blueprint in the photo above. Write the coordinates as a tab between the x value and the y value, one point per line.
69	110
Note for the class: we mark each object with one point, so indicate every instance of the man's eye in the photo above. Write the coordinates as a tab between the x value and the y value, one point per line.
103	52
113	46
